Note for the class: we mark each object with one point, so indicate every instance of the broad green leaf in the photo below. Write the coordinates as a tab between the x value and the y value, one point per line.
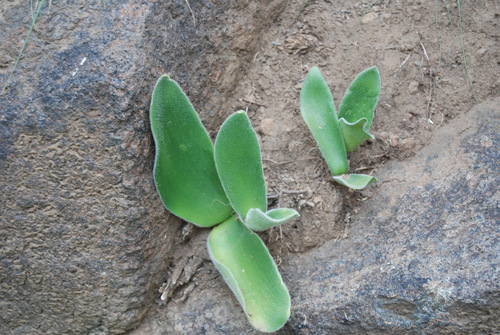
249	270
354	134
355	181
239	165
184	170
359	103
257	220
318	110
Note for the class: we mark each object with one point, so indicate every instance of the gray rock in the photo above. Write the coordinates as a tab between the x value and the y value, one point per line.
85	240
421	256
84	237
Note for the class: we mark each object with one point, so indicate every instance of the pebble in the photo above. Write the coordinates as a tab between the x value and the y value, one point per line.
369	17
394	141
481	52
268	127
413	87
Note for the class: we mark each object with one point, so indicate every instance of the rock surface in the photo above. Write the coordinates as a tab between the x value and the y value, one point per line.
421	257
85	239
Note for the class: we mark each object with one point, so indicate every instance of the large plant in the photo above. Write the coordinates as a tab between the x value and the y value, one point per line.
221	186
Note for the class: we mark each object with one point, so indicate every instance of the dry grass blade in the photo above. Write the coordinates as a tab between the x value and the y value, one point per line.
35	17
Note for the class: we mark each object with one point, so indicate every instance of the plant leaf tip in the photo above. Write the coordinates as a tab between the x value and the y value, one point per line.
355	181
315	71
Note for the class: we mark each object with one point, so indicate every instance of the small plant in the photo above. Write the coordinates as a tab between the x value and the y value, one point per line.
221	186
338	134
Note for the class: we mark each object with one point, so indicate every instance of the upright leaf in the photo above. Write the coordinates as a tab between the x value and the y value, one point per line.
184	170
239	165
357	108
249	270
318	110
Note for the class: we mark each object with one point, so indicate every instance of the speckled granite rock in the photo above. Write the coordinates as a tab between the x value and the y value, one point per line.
421	257
85	239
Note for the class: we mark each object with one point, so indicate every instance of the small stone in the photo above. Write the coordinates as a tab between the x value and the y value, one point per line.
394	141
369	17
413	87
268	127
481	52
317	199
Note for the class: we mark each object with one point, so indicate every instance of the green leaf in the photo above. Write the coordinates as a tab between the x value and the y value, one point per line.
257	220
249	270
355	181
318	110
239	165
184	170
355	133
359	103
